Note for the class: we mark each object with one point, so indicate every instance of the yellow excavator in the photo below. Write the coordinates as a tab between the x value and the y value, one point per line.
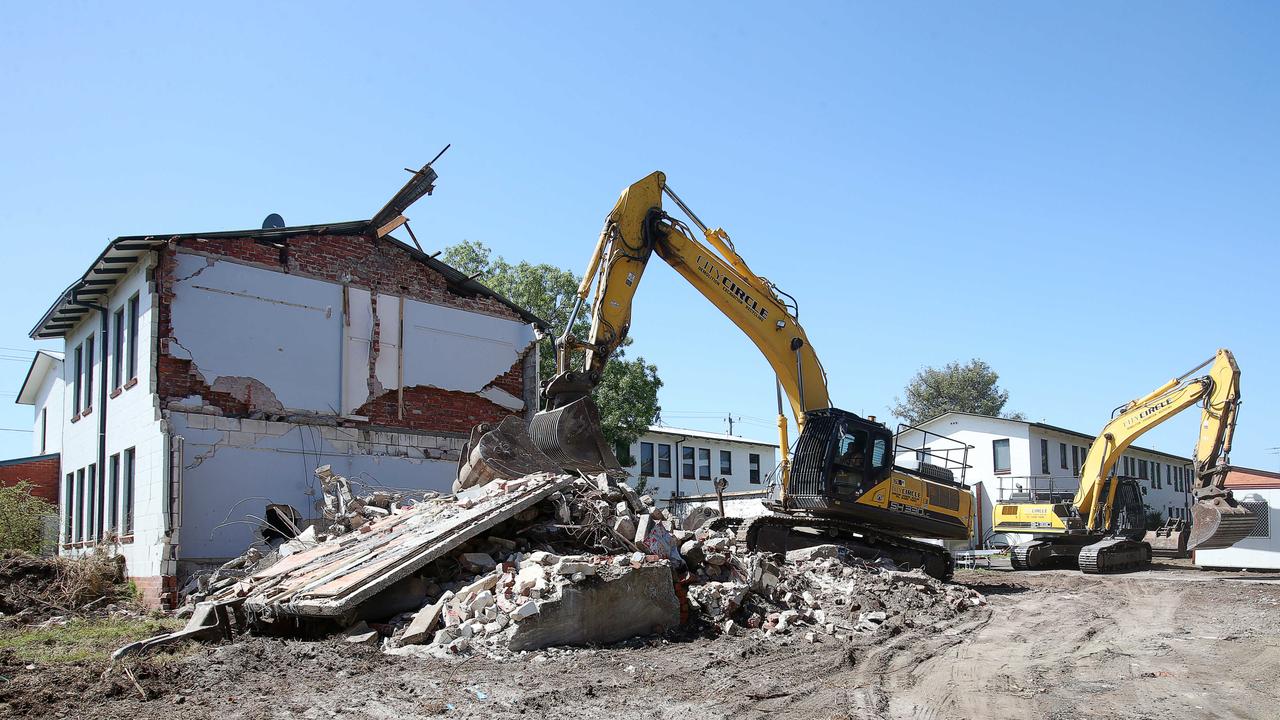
842	481
1102	528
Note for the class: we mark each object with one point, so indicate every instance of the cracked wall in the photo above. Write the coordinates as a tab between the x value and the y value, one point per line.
260	341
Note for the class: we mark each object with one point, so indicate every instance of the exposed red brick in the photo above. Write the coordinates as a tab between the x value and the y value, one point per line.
158	591
429	409
42	472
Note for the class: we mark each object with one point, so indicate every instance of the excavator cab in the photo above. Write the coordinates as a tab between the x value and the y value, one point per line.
838	458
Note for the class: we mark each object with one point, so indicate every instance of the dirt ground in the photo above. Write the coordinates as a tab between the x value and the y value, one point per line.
1170	642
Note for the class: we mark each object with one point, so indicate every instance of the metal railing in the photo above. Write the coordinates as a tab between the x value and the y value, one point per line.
938	450
1036	488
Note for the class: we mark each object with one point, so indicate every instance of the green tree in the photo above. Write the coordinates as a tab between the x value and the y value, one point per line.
628	393
22	517
968	388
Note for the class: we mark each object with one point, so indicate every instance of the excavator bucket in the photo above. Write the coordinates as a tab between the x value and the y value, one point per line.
1169	540
572	437
504	451
1219	522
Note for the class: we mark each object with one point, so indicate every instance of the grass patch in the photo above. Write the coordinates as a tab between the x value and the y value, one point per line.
81	639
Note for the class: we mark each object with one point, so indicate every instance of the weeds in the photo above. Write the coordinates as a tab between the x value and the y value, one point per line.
81	639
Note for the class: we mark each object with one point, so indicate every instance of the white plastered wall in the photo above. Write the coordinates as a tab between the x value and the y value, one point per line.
291	344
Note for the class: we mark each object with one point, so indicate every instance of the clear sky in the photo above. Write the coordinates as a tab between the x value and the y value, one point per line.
1085	195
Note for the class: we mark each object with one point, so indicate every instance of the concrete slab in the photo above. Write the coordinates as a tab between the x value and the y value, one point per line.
336	576
641	601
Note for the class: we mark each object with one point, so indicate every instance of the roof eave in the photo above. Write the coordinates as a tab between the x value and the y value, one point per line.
112	263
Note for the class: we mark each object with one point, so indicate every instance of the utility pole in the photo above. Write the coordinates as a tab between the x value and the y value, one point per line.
730	419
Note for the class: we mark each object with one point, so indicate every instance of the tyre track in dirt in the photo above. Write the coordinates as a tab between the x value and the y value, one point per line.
1066	646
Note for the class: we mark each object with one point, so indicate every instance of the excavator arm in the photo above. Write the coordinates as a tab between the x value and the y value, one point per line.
1217	520
634	230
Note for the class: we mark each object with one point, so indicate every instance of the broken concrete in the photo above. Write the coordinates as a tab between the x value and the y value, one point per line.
336	576
640	601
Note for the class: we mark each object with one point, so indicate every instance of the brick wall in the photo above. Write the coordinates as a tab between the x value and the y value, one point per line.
358	261
158	591
41	471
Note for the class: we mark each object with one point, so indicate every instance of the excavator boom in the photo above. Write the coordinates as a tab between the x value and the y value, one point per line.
845	482
634	230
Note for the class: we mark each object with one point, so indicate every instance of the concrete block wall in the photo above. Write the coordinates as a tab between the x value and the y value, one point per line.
133	423
233	467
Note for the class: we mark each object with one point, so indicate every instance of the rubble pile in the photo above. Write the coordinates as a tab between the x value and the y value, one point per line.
526	602
827	591
556	560
344	511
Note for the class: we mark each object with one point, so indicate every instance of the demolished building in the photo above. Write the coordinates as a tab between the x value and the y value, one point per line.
208	374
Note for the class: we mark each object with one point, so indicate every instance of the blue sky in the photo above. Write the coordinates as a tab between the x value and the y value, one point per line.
1081	194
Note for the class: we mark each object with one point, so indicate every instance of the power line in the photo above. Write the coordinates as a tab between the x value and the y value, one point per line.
14	430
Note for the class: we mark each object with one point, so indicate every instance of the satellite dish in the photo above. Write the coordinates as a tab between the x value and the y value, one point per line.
273	221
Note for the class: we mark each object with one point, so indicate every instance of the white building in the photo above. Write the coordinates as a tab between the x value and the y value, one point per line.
207	375
1038	461
1258	490
42	389
686	463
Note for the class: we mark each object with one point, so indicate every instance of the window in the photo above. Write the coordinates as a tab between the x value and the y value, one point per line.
686	463
1142	469
1157	474
78	366
44	429
127	494
113	493
68	502
753	468
664	461
1062	454
1075	460
91	494
704	464
1000	454
79	502
117	349
1044	456
726	462
100	501
646	459
88	372
133	337
878	455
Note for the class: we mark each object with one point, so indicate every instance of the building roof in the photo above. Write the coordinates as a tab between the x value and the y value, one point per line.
45	362
120	255
25	460
702	434
1052	428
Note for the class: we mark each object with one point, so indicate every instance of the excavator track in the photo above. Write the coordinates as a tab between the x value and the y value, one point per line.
934	559
1022	556
1114	555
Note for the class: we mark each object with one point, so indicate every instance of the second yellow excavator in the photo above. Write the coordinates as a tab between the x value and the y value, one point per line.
1102	528
844	479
